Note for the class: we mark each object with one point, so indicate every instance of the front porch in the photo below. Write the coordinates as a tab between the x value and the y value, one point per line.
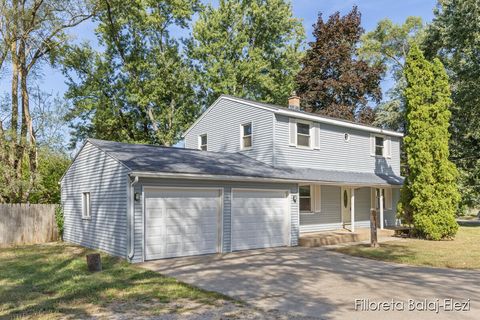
346	208
326	238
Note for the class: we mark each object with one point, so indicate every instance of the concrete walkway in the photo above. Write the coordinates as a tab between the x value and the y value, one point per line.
324	284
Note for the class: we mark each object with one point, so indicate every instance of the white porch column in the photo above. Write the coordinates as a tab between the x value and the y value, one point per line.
352	209
381	208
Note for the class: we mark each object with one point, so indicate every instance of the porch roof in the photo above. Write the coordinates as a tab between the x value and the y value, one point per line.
344	177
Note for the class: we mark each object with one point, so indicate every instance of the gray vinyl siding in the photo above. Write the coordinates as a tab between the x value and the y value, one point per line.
391	215
362	207
329	217
334	152
106	179
222	124
227	191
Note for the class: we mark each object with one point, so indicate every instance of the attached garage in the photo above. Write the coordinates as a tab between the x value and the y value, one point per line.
260	218
182	222
151	202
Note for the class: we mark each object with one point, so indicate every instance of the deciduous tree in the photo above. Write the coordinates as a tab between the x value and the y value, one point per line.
454	35
31	33
388	45
247	48
334	81
140	87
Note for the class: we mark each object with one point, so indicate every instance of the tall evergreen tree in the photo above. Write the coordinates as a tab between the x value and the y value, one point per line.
429	196
247	48
333	80
454	35
140	88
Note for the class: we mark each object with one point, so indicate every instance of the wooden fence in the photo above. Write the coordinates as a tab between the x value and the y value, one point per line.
27	223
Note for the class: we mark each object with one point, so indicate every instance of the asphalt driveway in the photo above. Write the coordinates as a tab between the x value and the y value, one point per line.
324	284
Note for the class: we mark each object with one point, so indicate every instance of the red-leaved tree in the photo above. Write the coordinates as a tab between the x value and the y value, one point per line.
333	80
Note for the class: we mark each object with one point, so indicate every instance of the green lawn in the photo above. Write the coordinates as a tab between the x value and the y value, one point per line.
461	253
51	281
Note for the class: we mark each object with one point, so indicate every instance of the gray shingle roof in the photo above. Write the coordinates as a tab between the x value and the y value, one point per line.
149	158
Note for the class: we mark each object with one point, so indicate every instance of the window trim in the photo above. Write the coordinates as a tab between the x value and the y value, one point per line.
200	141
86	210
304	197
242	135
376	198
310	144
373	146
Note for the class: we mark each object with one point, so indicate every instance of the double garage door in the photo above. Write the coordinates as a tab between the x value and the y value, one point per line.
183	222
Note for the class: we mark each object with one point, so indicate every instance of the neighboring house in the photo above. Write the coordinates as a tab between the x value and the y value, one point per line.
252	175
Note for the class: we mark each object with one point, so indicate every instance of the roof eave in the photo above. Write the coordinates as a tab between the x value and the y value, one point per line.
199	176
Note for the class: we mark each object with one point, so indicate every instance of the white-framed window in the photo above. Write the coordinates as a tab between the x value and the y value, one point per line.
305	192
246	136
303	134
86	205
387	198
202	142
379	146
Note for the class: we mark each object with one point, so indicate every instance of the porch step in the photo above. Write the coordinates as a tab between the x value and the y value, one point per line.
326	238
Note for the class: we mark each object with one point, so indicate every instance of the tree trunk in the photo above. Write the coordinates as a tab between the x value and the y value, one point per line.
27	127
16	158
373	229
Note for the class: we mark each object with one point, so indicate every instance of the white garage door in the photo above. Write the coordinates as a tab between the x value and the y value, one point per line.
181	222
260	219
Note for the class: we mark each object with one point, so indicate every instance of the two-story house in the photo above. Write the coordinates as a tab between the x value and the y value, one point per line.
251	175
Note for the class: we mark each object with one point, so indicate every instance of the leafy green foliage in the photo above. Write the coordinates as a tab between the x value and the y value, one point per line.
454	35
247	48
59	220
140	88
334	81
430	194
52	165
387	45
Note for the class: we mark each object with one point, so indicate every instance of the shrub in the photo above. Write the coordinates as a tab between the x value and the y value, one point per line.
59	219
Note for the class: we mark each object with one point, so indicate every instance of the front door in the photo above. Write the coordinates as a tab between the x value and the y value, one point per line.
346	205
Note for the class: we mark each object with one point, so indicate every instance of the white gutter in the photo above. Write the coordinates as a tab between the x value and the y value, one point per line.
132	218
243	178
311	117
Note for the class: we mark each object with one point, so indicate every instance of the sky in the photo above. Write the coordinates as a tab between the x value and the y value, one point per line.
53	82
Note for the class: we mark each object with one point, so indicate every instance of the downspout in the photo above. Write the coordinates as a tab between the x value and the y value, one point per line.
132	218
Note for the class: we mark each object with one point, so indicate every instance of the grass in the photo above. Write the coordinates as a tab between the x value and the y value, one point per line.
460	253
51	281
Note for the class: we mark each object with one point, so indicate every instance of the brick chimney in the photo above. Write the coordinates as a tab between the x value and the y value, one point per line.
294	101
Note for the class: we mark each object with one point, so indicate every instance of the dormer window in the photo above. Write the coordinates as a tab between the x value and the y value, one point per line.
202	142
303	134
246	136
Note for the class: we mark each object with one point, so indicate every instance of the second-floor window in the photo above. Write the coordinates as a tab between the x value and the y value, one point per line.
246	136
202	142
303	134
379	146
